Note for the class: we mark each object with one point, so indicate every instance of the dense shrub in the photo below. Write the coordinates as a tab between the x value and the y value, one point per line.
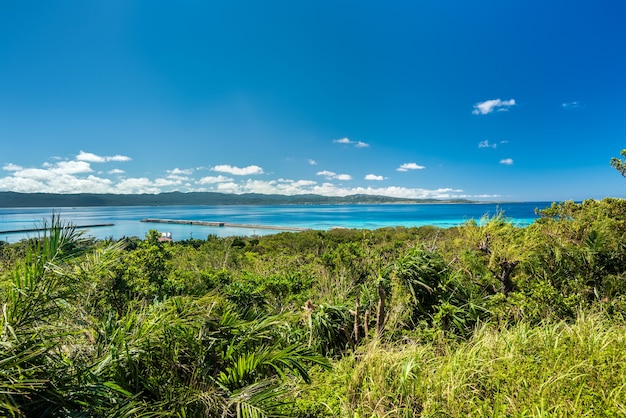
484	319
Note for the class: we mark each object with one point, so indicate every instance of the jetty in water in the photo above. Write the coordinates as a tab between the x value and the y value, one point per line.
223	224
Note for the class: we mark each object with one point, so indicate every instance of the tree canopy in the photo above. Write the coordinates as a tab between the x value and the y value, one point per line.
620	163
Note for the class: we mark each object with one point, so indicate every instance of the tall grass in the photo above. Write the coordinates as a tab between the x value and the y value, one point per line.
556	369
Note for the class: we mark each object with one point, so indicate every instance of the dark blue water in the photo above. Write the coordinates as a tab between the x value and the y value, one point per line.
126	219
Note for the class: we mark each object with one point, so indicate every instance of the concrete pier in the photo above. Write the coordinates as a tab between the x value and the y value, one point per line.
223	224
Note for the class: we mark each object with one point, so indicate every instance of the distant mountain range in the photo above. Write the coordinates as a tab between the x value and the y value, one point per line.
20	200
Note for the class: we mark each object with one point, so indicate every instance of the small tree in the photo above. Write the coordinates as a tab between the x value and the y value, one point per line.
620	163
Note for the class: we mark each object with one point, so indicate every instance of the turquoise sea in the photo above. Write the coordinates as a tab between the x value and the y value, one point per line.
126	220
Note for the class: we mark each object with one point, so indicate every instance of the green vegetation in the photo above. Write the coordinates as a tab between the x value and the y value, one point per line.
486	319
620	163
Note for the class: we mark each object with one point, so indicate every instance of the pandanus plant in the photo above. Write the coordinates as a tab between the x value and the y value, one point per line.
64	352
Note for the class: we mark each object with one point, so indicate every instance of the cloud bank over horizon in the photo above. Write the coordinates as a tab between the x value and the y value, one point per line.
80	175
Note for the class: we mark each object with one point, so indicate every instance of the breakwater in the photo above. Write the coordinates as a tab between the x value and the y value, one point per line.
223	224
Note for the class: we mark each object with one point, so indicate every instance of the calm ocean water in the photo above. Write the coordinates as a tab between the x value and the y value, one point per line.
127	219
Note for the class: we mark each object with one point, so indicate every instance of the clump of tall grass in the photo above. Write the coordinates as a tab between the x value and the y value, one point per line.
553	369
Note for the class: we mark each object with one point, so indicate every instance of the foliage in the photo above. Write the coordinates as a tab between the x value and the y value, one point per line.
553	369
487	318
620	164
63	354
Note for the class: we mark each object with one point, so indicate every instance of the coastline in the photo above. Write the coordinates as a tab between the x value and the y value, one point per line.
127	219
33	200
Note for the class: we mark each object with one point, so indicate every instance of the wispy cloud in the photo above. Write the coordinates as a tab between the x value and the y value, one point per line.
374	177
487	144
312	162
347	141
237	171
489	106
570	105
334	176
410	166
93	158
507	161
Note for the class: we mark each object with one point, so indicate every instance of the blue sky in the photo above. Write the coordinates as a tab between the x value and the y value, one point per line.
485	100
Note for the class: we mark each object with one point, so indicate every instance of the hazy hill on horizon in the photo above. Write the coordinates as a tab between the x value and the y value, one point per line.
16	199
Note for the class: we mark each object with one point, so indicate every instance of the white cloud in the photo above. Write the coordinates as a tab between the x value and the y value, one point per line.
410	166
93	158
89	157
169	181
119	158
300	183
71	167
312	162
214	179
78	177
34	174
326	173
298	187
47	181
229	188
328	189
62	168
570	105
334	176
348	141
137	185
176	179
12	167
487	144
507	161
342	141
488	106
237	171
60	177
180	172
